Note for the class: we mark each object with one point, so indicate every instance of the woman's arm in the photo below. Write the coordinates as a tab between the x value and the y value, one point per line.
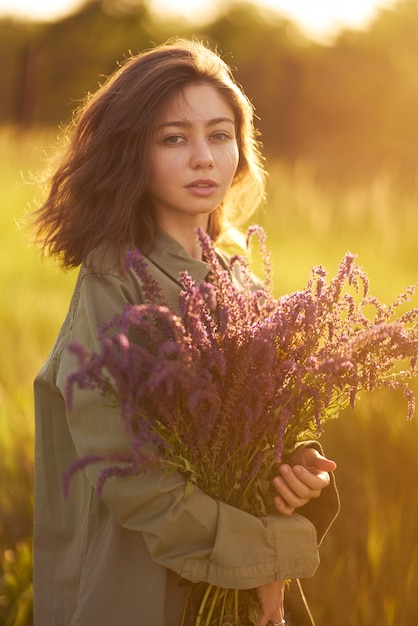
194	535
187	531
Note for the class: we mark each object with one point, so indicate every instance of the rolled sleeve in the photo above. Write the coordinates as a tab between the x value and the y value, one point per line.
249	551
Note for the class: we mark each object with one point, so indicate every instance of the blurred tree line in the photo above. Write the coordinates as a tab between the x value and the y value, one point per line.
349	108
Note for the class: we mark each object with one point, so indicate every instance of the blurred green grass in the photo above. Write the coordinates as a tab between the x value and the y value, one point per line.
34	293
34	299
369	569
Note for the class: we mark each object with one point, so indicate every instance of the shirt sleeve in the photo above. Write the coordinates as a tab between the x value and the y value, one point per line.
185	530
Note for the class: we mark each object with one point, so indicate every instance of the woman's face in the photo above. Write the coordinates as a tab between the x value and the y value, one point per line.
193	157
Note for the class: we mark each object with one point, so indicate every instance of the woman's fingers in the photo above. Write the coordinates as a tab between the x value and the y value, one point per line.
296	486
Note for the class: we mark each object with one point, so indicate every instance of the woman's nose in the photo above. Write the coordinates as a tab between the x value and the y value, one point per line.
202	157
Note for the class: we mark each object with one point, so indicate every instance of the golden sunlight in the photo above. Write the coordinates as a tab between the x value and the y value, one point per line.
317	19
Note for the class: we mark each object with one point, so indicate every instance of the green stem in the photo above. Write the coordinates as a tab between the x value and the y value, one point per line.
236	617
222	613
213	605
202	605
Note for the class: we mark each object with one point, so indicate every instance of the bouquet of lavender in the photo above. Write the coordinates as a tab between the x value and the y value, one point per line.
222	391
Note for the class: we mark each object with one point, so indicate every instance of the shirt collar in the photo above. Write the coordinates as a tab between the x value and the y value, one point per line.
172	258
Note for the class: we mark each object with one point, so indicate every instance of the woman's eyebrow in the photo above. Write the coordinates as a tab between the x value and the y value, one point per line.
187	123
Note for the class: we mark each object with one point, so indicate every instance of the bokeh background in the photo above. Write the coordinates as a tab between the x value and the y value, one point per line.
337	109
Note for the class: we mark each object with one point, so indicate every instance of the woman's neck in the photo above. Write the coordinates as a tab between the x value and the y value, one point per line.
186	236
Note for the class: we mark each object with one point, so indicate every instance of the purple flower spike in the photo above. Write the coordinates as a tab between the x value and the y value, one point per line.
222	391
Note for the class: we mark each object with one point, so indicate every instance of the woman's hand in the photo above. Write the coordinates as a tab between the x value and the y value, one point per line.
301	481
271	600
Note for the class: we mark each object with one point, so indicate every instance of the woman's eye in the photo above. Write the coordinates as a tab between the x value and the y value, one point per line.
220	136
172	140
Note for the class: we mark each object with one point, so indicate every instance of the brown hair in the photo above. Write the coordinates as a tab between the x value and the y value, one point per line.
96	196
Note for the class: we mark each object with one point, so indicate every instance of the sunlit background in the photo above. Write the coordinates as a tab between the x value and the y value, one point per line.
335	87
320	19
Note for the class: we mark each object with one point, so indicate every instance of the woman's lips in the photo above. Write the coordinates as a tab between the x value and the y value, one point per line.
202	187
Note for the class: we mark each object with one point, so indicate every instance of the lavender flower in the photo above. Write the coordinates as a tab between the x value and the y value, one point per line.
227	388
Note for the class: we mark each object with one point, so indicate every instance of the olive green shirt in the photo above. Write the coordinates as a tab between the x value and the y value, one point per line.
122	559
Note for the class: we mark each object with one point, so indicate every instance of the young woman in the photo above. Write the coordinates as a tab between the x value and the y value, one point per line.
165	146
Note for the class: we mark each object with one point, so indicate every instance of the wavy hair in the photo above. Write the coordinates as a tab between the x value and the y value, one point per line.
96	195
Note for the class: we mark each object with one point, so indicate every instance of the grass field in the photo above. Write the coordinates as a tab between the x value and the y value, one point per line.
369	569
33	303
